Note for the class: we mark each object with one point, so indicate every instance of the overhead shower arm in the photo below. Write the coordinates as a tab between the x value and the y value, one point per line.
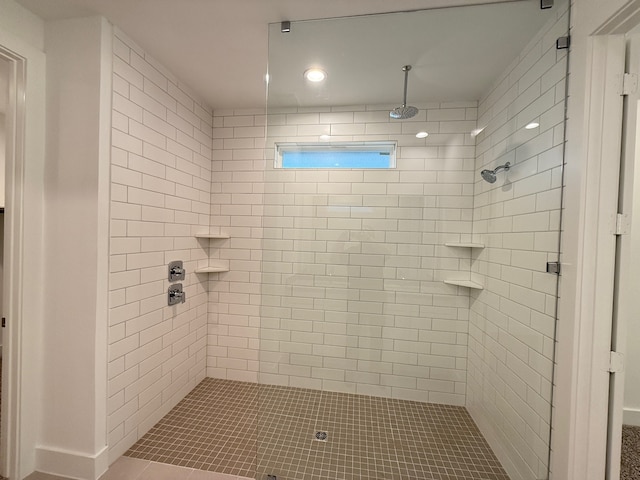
504	167
404	111
405	69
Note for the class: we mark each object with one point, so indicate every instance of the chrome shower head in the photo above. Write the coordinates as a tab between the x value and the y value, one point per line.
400	113
405	111
490	175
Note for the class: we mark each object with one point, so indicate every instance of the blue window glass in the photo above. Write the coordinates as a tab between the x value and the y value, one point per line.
335	160
380	155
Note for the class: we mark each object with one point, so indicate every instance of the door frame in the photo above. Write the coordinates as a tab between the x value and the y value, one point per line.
595	109
626	278
23	305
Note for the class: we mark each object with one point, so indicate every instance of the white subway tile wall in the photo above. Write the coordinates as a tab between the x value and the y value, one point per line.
161	186
342	277
511	322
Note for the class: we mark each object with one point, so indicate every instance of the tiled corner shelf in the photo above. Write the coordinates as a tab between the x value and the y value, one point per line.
211	235
213	267
464	245
465	283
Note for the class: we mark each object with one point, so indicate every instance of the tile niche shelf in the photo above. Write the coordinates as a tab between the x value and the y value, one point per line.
464	283
212	236
464	245
212	267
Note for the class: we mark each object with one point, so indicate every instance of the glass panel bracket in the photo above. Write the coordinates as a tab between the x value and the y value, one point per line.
553	267
563	43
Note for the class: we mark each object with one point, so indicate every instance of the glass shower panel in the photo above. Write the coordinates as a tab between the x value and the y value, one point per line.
407	321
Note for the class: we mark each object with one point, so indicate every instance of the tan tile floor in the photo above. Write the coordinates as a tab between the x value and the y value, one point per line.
252	430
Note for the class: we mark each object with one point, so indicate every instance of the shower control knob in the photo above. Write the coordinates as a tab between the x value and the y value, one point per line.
176	294
176	271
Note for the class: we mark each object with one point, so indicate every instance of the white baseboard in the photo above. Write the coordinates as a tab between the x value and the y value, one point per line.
631	416
75	465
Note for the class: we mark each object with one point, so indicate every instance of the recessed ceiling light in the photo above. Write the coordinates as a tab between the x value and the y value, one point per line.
325	137
422	134
532	125
315	75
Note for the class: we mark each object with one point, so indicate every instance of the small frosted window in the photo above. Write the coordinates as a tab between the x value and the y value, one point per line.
355	155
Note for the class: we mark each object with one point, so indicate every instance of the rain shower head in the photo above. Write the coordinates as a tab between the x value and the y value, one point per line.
405	111
400	113
490	175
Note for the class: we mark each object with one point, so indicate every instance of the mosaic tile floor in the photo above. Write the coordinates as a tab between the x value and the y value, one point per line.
255	430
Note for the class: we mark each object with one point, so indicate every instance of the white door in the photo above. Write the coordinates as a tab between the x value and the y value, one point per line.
624	406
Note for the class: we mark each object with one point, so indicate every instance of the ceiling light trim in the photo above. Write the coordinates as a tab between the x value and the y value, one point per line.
315	75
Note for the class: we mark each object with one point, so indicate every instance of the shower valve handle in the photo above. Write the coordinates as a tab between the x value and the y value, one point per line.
176	295
177	271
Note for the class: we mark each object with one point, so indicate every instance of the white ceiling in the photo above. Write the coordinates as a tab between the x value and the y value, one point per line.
220	47
455	54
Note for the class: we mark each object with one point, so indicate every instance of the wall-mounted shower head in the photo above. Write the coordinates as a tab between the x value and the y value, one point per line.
405	111
490	175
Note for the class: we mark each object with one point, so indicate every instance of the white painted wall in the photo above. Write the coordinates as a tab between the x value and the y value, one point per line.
627	333
632	355
21	23
76	225
1	274
160	197
2	153
2	172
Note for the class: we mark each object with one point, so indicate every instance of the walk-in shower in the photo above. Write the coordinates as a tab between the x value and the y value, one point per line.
394	319
386	290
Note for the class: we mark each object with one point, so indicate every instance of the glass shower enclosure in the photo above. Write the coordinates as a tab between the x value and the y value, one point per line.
406	316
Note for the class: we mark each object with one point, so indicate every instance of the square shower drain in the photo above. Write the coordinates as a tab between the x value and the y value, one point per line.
321	436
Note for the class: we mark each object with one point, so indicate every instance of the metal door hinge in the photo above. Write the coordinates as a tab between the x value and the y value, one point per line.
628	84
620	224
553	267
616	362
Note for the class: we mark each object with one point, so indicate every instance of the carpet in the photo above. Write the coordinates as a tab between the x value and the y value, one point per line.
630	462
